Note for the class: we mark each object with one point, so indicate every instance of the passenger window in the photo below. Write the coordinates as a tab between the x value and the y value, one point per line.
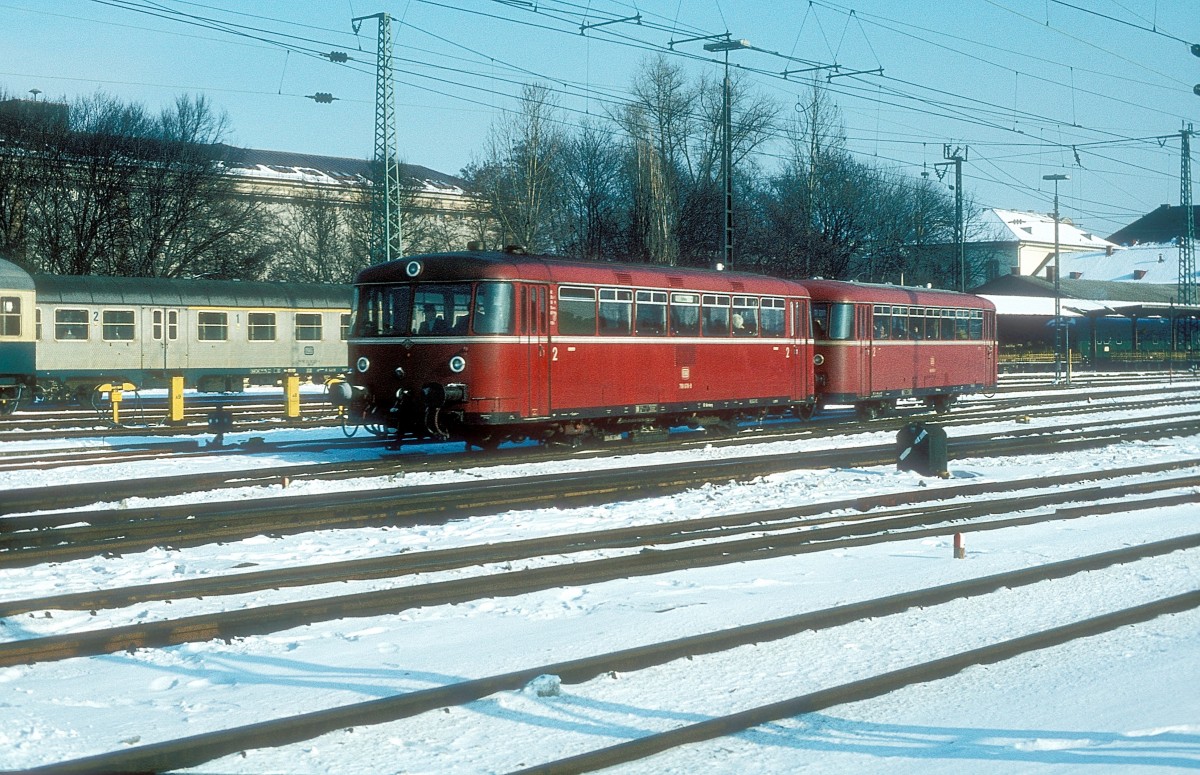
651	312
212	326
117	325
616	312
773	318
715	311
10	316
685	314
308	327
577	311
260	326
883	321
745	316
71	324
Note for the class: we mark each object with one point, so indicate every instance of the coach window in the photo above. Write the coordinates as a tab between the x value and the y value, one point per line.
117	325
10	315
841	321
494	308
773	319
685	314
441	310
616	312
37	324
70	324
308	326
715	311
344	332
172	324
260	326
961	324
745	316
651	313
212	326
577	311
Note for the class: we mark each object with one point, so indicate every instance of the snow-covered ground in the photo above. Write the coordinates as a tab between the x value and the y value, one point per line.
1121	702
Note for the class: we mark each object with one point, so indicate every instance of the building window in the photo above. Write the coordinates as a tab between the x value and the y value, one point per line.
212	326
70	324
117	325
10	315
308	327
261	326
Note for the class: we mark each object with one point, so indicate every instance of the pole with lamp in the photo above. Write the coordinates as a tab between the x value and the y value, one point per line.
725	46
1058	321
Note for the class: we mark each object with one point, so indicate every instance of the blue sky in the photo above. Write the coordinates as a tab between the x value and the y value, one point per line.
1096	89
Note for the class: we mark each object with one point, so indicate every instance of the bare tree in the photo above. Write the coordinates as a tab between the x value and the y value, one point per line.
592	185
518	175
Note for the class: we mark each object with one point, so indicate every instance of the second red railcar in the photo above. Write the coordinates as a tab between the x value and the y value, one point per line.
877	343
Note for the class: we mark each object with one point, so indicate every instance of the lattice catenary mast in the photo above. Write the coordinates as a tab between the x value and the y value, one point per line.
385	191
1187	242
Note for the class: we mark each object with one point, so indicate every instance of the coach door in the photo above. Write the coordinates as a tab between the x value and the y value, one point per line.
166	350
536	330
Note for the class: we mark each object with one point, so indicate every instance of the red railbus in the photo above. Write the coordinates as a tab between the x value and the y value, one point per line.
877	343
492	346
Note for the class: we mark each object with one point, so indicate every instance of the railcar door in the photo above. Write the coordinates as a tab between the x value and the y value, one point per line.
864	334
536	330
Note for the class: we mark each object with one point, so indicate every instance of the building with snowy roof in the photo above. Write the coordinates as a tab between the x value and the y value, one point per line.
1008	242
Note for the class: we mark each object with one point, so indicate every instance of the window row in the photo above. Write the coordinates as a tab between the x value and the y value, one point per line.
584	311
913	323
117	325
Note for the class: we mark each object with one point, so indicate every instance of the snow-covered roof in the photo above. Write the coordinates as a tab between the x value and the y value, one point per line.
1147	264
1010	225
326	170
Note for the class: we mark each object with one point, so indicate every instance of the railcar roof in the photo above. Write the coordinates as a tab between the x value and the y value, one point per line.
838	290
468	265
59	289
14	278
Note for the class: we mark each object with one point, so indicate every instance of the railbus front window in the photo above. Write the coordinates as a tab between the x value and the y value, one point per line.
441	309
494	308
382	310
841	321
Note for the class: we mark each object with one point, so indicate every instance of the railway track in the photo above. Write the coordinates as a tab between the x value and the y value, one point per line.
36	498
200	749
56	536
711	541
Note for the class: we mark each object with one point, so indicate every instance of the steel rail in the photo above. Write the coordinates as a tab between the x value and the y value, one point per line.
864	689
196	750
265	619
56	536
705	528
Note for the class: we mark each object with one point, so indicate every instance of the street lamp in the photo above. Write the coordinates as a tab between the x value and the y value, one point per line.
727	45
1058	321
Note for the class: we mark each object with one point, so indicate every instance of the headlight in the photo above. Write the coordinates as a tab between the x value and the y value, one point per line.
399	372
362	364
818	359
413	268
457	364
